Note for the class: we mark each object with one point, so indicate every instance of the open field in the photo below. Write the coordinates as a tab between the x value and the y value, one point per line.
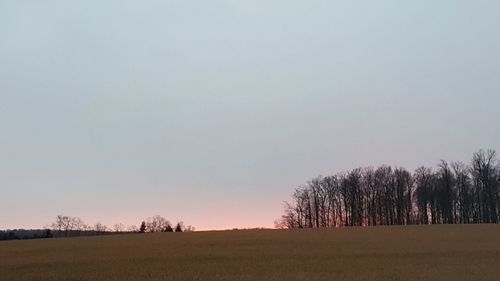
442	252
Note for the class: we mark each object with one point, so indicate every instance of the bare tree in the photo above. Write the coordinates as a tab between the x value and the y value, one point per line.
189	228
133	228
119	227
484	172
156	224
99	227
464	192
67	224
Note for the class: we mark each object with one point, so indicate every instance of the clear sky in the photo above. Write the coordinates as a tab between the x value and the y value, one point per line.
212	112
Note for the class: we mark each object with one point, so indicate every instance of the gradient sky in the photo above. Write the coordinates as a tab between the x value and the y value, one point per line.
212	112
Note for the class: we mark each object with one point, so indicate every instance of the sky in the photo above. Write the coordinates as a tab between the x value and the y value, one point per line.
212	112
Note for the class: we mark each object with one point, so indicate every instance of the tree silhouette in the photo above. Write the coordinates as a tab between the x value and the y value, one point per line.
142	228
454	193
169	228
179	227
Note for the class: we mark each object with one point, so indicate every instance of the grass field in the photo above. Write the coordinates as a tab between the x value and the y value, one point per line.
444	252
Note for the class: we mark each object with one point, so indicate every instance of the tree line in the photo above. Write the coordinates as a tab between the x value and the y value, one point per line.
160	224
73	225
453	193
18	234
69	226
151	224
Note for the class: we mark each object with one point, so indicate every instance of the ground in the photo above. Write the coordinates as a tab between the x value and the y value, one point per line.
441	252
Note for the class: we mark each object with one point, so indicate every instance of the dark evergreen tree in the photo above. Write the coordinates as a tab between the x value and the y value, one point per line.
142	229
169	228
179	227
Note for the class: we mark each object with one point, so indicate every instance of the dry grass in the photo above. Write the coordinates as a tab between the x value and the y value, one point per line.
446	252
